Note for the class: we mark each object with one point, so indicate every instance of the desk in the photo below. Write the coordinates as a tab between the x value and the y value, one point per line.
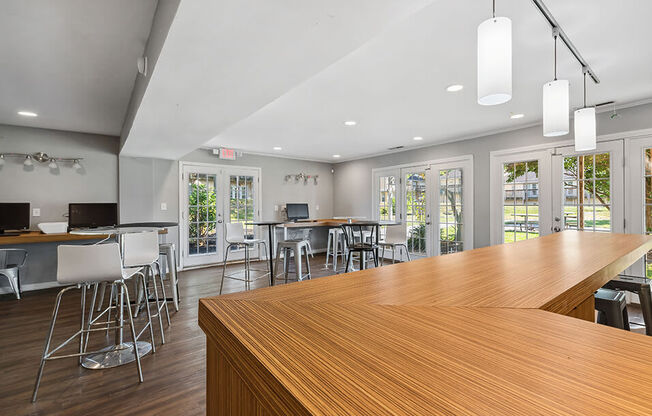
464	333
31	237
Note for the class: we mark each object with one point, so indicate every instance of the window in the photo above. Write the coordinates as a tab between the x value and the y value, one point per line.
520	200
415	212
202	209
450	211
241	202
587	185
387	198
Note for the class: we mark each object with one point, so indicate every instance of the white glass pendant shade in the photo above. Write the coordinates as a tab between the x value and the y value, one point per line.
495	61
585	134
555	108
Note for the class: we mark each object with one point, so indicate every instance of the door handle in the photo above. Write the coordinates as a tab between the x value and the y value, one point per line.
556	228
219	221
427	222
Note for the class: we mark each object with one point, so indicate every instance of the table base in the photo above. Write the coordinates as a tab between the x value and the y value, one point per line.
115	355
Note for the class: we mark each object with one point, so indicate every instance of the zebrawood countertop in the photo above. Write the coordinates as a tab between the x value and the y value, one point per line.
467	333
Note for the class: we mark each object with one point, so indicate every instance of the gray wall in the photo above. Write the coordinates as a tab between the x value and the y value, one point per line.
352	190
146	183
51	191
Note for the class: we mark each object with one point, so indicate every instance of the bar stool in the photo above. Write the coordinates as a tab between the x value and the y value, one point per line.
612	308
81	266
362	247
235	238
289	246
141	251
395	236
335	246
11	261
644	297
168	250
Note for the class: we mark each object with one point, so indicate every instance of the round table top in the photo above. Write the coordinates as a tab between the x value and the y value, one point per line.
114	230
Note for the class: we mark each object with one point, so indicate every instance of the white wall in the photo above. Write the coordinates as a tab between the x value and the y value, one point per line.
352	191
52	191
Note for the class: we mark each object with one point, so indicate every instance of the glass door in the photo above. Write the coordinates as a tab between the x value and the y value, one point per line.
416	210
242	199
589	189
639	197
454	224
201	226
521	196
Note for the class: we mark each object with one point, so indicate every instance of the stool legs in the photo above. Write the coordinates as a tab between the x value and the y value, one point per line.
328	249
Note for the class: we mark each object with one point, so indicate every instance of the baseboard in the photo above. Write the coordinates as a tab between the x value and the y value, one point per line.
30	286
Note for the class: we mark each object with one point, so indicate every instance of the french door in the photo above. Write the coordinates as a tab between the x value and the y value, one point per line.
433	199
212	195
588	188
638	208
520	196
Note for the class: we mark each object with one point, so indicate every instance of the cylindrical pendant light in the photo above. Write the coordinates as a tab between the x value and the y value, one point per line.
585	128
555	103
495	60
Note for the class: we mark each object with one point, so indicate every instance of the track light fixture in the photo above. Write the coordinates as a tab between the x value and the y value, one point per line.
585	128
556	103
495	60
53	162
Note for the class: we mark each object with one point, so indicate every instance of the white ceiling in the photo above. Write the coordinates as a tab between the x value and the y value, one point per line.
253	75
73	62
224	60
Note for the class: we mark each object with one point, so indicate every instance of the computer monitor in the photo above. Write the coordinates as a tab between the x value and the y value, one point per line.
92	215
297	211
14	216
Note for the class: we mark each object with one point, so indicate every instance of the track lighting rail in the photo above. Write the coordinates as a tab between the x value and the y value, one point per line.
562	35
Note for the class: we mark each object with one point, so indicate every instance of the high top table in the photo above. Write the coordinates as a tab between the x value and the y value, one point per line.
477	332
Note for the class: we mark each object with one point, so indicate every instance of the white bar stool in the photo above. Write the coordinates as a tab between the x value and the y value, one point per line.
141	250
335	246
395	236
287	247
235	238
81	266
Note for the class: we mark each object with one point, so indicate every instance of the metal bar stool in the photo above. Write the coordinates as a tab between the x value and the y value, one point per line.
168	250
644	296
11	260
235	238
81	266
335	246
612	308
293	246
364	246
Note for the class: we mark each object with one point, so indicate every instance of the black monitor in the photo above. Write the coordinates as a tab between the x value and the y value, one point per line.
92	215
297	211
14	216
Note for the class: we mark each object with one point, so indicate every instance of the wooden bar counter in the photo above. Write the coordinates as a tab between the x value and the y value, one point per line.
466	333
32	237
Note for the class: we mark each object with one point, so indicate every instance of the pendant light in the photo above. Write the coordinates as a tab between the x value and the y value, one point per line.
585	134
495	60
555	102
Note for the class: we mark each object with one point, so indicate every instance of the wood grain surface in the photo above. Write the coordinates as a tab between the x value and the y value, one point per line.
455	334
31	237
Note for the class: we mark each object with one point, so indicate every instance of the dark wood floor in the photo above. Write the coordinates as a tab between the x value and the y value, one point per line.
174	376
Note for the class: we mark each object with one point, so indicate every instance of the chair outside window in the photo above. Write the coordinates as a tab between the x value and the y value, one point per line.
11	261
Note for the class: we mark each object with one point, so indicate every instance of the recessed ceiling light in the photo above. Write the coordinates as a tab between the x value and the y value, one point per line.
350	123
417	138
27	113
336	156
278	148
455	88
517	115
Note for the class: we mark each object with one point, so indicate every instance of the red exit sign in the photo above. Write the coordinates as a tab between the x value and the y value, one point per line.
228	154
